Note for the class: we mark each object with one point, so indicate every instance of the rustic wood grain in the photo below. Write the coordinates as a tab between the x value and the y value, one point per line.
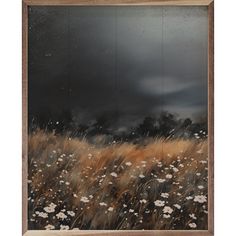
24	116
118	2
211	118
210	230
119	233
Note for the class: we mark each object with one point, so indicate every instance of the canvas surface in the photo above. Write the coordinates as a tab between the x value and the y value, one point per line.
118	134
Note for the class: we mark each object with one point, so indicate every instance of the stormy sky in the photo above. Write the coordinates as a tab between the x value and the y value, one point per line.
123	62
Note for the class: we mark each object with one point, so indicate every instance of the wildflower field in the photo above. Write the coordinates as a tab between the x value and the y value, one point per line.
75	184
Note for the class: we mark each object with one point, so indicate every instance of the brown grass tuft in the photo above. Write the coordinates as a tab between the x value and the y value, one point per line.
100	187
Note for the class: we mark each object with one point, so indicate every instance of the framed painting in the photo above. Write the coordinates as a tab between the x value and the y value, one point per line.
118	117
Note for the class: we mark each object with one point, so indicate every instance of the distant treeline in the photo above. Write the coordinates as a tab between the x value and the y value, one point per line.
166	125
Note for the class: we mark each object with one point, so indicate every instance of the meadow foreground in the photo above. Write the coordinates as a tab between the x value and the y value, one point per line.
159	185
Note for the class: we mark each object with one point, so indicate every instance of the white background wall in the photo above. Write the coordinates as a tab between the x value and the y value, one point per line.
10	115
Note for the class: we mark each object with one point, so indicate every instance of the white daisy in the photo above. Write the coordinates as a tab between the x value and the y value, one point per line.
200	198
110	209
159	203
141	176
189	197
61	215
200	186
71	213
49	227
169	176
143	201
161	180
167	209
64	227
192	216
102	204
177	206
114	174
175	169
49	209
203	162
42	214
165	195
84	199
192	225
128	163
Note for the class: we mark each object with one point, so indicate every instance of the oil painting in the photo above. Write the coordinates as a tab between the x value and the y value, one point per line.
117	118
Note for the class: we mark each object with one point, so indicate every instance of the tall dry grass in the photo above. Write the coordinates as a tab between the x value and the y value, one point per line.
74	184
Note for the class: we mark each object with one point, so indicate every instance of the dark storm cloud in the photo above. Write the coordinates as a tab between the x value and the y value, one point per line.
126	62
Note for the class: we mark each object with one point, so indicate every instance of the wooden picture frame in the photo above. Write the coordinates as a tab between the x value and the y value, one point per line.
210	5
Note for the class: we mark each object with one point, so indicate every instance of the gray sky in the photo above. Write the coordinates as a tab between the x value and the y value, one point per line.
126	62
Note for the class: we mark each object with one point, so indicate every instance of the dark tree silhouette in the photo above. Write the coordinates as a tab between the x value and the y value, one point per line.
186	123
63	122
148	127
101	126
58	122
167	123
